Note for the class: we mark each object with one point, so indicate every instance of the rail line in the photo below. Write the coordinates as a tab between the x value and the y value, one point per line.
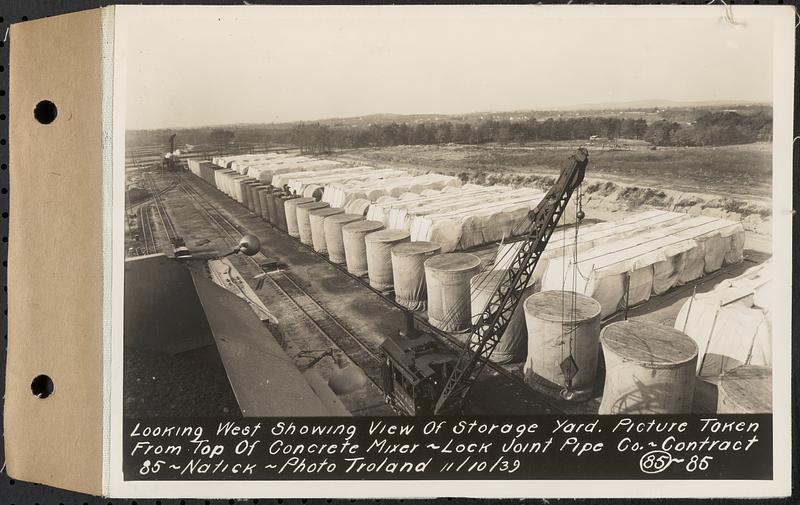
169	227
147	230
326	323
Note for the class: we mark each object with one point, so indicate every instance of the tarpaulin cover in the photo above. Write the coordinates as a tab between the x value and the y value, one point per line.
300	183
290	208
268	170
341	194
603	272
408	272
476	224
379	256
229	161
729	325
384	210
355	248
402	217
447	277
563	242
333	235
512	345
317	219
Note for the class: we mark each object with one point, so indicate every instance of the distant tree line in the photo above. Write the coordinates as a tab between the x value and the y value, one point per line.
711	129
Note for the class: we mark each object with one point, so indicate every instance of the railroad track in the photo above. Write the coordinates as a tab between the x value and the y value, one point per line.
356	349
223	223
154	205
305	304
146	227
161	210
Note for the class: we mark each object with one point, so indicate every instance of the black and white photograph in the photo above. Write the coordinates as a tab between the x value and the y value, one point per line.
576	217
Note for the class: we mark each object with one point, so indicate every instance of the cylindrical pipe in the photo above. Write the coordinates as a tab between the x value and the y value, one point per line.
280	206
304	220
290	207
746	389
408	272
264	202
650	369
317	218
355	248
255	195
244	187
273	201
563	341
334	242
447	277
379	256
511	347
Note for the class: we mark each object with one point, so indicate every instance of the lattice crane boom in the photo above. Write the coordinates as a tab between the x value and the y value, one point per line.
492	322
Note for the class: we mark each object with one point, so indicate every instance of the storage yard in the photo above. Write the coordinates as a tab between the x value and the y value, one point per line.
370	283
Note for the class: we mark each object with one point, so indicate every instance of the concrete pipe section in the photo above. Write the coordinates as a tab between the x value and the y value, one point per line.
290	207
447	277
355	248
317	219
563	324
408	273
650	369
512	345
379	256
334	241
304	220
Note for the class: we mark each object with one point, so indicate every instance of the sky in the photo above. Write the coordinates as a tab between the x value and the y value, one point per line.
198	66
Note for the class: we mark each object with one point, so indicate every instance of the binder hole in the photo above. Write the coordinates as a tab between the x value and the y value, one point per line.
45	112
42	386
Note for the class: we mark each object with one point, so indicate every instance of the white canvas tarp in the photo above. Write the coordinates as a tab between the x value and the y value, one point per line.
267	173
728	324
603	272
474	225
286	178
384	208
402	216
303	183
341	194
241	165
563	242
229	161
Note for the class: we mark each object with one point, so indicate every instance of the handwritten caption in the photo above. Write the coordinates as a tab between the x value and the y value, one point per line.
445	448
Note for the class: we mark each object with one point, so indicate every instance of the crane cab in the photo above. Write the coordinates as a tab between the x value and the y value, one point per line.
414	372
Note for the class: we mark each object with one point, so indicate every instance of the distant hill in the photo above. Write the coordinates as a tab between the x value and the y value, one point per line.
648	110
657	103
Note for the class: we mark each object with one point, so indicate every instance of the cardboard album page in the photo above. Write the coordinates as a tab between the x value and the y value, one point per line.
385	251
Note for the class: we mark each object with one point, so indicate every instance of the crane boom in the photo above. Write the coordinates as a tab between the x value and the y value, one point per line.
494	319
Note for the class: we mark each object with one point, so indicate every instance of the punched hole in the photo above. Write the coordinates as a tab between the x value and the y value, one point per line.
45	112
42	386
